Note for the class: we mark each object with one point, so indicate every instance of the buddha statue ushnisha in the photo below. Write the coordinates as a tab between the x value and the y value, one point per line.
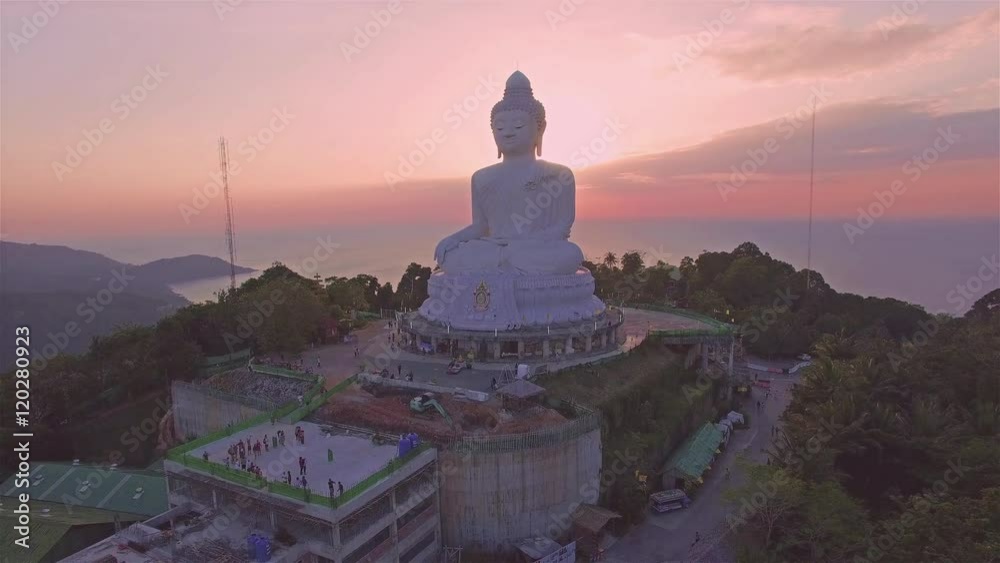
522	207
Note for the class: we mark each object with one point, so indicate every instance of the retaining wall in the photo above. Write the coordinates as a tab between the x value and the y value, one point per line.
493	497
199	410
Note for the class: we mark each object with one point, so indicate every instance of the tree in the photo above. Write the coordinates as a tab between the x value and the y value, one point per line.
411	291
767	502
985	306
632	263
385	298
347	294
370	286
709	301
610	261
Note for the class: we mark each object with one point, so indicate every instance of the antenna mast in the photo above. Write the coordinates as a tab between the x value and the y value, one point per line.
812	168
230	230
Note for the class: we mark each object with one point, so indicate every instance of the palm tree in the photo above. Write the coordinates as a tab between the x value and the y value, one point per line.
610	260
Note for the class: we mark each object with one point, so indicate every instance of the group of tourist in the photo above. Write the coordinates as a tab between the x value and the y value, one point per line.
399	371
335	487
237	453
300	435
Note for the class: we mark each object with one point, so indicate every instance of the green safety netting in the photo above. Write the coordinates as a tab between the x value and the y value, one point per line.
693	457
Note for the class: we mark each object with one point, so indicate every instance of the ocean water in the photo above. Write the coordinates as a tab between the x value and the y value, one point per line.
923	262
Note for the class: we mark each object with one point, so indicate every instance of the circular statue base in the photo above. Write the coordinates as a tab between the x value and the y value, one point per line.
501	301
528	345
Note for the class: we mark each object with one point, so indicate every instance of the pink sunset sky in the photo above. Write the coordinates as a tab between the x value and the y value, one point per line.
695	88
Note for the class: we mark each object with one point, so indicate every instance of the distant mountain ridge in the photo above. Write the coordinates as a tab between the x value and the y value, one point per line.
40	267
187	268
47	286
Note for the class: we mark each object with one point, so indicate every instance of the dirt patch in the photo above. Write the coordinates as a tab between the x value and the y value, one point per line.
391	413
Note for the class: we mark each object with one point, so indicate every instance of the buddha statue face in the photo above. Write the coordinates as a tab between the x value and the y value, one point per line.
516	132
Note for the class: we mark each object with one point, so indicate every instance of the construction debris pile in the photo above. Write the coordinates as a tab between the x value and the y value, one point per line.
249	384
392	412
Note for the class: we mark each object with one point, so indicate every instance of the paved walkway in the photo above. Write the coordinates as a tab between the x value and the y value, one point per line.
434	368
669	537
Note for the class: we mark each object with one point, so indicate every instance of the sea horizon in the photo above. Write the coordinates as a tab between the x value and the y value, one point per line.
920	261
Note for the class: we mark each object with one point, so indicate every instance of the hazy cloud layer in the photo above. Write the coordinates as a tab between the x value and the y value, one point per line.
803	52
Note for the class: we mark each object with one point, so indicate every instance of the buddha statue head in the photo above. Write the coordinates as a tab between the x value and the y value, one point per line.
518	120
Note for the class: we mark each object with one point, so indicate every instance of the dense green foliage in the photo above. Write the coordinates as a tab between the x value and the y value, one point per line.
890	451
765	297
278	311
645	416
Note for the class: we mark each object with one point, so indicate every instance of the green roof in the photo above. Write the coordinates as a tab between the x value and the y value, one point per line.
692	458
95	487
49	523
44	536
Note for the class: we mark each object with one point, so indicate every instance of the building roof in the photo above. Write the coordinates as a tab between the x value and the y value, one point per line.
522	389
49	523
592	517
135	492
696	453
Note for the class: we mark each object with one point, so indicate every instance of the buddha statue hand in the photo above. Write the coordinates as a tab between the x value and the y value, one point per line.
447	243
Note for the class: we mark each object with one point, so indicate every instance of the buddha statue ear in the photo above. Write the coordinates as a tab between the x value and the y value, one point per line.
538	140
498	152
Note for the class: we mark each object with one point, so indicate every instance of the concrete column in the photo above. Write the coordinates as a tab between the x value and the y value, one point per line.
394	528
545	349
590	342
520	349
604	339
496	350
569	345
434	344
215	501
732	352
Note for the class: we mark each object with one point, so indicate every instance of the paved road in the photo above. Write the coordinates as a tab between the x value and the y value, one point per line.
668	537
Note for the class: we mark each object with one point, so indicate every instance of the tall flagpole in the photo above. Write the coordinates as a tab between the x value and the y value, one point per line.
812	170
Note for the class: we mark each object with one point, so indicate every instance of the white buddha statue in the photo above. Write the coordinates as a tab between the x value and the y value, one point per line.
514	266
522	208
